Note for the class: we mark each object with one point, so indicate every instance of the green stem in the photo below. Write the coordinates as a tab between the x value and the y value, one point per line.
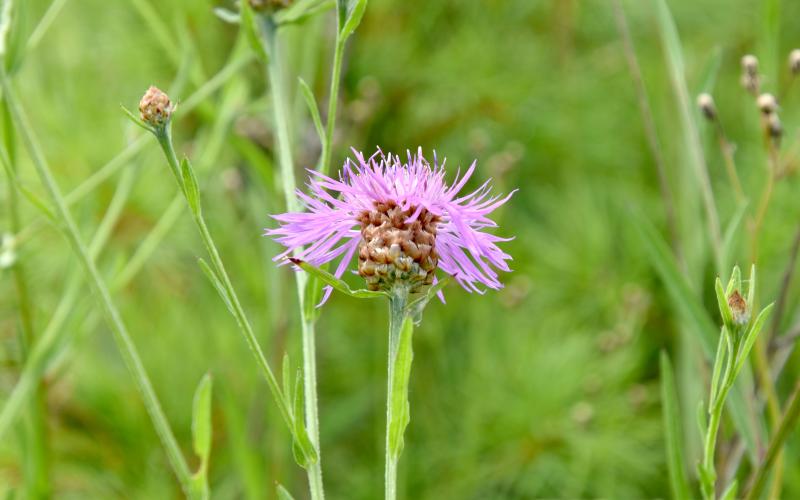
37	475
399	365
165	140
788	423
112	316
333	99
275	74
717	404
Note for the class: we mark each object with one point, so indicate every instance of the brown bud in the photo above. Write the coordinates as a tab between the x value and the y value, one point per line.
774	127
741	313
155	107
794	61
750	64
706	104
767	103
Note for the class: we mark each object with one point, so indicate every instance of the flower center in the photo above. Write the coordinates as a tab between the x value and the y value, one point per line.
392	251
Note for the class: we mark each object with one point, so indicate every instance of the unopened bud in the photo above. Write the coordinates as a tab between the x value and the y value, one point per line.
794	61
739	309
155	107
774	127
750	64
767	104
706	104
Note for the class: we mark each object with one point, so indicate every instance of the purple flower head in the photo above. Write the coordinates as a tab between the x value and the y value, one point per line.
402	219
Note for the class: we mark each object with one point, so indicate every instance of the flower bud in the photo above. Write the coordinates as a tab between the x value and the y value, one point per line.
774	127
750	64
767	103
794	61
706	104
739	309
155	107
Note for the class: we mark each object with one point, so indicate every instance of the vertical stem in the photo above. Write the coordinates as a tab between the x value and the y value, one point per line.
37	474
333	99
275	74
397	316
717	402
113	318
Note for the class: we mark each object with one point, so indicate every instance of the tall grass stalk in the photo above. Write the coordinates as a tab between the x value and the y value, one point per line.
110	311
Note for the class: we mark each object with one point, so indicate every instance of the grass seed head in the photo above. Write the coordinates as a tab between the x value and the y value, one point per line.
706	104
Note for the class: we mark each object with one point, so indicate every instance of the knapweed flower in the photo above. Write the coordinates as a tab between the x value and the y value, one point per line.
402	219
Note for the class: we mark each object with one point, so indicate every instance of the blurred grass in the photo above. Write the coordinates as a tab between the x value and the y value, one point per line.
548	388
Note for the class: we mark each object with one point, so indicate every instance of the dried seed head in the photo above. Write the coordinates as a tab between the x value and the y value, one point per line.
155	107
750	65
767	103
774	127
393	250
794	61
741	313
706	104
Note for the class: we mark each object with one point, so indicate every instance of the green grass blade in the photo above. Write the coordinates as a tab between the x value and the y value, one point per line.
674	436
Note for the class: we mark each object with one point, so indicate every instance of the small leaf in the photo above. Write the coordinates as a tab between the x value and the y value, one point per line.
226	15
751	287
750	338
674	438
400	415
287	381
135	119
190	187
201	419
731	491
212	277
724	307
302	10
735	283
283	493
305	453
252	31
717	371
335	282
312	109
355	11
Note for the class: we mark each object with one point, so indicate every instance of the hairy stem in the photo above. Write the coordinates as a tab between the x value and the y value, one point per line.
399	364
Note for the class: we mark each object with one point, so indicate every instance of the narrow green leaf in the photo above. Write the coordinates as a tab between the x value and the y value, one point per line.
674	437
312	109
750	338
724	307
400	379
355	11
305	453
37	202
283	493
729	239
302	10
135	119
252	31
287	378
335	282
201	418
717	371
731	491
751	287
212	277
226	15
735	283
190	186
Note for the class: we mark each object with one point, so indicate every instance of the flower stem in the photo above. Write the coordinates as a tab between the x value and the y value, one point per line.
275	74
112	316
401	329
333	99
717	404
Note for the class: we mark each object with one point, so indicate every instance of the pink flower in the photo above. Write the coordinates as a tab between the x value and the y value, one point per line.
402	219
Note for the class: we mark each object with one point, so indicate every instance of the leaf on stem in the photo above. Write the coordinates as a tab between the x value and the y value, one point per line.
135	119
674	438
335	282
190	187
283	493
313	109
302	10
350	14
750	338
724	307
226	15
252	32
401	374
305	453
201	418
287	379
